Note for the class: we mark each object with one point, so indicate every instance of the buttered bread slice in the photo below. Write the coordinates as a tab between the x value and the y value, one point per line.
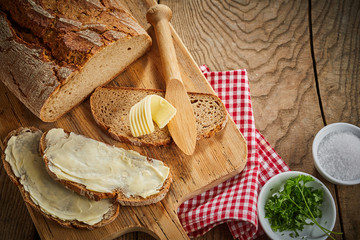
25	166
97	170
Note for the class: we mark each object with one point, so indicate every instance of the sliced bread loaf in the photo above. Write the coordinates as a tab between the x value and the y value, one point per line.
25	167
55	53
97	170
111	106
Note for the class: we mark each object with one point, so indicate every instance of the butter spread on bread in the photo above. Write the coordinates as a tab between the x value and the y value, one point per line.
152	108
50	196
100	167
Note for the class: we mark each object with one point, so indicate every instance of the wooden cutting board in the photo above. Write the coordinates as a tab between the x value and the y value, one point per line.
215	159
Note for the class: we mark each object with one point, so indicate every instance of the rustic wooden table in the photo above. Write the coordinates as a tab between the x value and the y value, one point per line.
303	61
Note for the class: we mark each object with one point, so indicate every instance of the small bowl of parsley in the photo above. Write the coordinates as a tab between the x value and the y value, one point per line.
296	205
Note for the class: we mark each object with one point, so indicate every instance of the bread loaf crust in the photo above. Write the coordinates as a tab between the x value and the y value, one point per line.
45	44
116	193
17	54
109	217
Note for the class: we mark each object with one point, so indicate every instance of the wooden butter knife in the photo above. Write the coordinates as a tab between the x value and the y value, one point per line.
183	126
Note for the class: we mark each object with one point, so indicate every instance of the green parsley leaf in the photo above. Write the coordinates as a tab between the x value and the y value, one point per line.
293	207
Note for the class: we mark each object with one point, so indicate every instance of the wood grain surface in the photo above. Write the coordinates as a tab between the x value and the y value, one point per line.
302	59
272	40
336	38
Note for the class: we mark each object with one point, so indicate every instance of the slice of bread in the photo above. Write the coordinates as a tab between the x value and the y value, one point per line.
25	167
111	106
98	170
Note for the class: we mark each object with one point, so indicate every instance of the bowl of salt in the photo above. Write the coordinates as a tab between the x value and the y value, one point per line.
336	153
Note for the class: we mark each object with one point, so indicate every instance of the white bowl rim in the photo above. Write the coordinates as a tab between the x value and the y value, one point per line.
328	129
267	187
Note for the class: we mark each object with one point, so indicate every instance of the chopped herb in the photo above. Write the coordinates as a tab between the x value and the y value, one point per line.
293	207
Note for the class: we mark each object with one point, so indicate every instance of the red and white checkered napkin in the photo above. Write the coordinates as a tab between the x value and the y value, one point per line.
235	200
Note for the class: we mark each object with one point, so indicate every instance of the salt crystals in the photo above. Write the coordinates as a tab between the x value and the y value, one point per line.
339	155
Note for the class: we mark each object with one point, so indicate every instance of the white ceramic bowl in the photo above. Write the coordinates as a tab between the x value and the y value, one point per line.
328	208
325	131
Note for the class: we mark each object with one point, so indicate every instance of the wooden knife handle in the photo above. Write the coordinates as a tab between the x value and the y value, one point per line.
159	16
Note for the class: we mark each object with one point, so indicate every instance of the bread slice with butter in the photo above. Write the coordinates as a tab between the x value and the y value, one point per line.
98	170
110	107
25	167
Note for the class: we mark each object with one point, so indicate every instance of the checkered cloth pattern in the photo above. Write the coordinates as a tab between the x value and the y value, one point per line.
234	201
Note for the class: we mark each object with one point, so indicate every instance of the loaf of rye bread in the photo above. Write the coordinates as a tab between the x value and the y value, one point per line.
75	182
19	176
110	107
53	54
